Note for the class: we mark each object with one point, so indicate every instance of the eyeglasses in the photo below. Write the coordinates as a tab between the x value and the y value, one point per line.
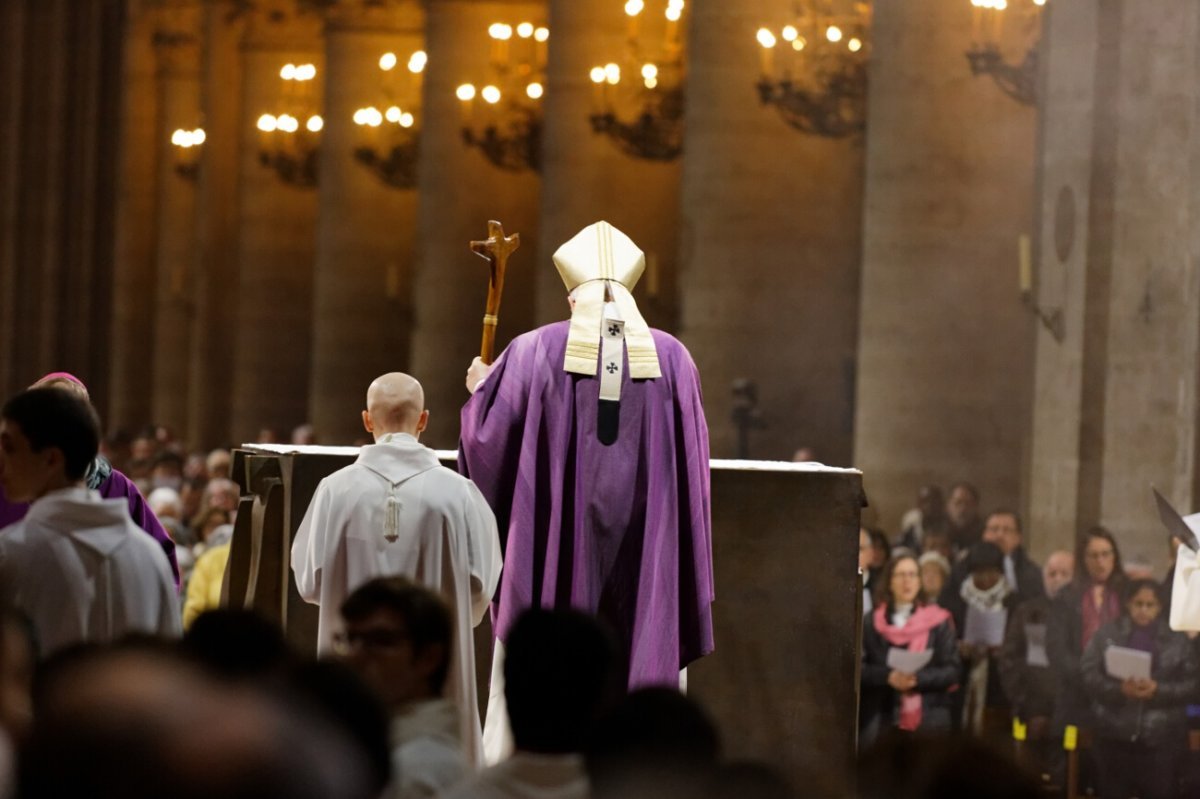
1102	555
368	641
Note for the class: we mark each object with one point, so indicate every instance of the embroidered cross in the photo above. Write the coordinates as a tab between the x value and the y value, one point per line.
612	368
613	330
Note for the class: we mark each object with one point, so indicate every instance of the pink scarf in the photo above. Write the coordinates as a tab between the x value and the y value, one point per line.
915	636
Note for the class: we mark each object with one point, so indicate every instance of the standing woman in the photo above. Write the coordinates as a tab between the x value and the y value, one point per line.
1141	724
903	620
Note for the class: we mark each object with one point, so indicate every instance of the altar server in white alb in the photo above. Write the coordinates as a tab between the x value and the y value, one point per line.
1185	581
77	565
397	511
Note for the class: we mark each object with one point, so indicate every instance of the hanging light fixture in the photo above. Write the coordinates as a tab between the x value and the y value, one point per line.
288	141
389	134
638	100
503	117
187	145
990	23
814	69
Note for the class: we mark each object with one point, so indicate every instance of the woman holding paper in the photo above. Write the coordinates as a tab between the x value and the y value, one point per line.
910	657
1140	675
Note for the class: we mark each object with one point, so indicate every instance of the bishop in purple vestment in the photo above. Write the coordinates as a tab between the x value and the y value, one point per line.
600	486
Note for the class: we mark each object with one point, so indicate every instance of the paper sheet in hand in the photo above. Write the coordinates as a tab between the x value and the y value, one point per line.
1122	662
1035	645
908	662
1177	525
985	626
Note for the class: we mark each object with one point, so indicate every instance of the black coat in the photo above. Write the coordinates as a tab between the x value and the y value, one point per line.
1064	647
1029	581
1030	689
1157	722
879	702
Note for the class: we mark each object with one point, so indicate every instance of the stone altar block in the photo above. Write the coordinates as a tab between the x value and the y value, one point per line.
783	681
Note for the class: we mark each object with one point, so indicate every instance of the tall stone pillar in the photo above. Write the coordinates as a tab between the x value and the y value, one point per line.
12	67
179	109
366	231
133	266
214	299
586	177
1116	399
459	191
276	240
945	346
768	280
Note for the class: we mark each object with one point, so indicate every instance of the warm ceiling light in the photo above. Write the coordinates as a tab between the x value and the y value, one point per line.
387	61
534	91
267	123
490	94
766	38
525	30
315	123
541	34
465	92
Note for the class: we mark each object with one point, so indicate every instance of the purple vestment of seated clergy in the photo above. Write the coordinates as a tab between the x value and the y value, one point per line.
115	486
620	530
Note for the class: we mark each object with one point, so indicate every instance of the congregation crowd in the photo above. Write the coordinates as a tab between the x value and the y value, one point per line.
1020	656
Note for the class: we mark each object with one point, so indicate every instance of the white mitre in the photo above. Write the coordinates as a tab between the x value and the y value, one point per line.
597	259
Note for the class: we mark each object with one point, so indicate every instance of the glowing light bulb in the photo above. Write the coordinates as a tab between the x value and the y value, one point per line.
267	123
288	72
525	30
387	62
392	114
417	61
799	44
407	120
854	45
199	136
833	33
634	7
490	95
1039	2
541	34
612	74
360	116
287	123
374	118
649	71
306	72
766	38
534	91
651	82
314	124
465	92
179	137
673	13
498	30
789	33
597	74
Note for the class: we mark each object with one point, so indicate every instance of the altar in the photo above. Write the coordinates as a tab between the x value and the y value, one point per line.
782	684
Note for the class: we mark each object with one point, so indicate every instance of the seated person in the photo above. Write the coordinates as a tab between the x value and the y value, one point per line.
1140	725
903	620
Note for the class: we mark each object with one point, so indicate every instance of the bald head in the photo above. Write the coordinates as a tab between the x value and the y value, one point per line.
395	404
1058	571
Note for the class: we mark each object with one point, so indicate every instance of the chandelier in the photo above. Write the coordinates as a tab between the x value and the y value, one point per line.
638	102
288	141
814	71
989	20
507	127
187	152
389	136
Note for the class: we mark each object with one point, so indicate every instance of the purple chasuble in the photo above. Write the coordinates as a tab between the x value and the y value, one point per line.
114	486
622	530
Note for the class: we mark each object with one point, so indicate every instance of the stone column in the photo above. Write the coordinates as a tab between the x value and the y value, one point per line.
945	346
770	248
133	264
276	242
12	68
1116	399
179	108
459	191
214	315
587	178
366	231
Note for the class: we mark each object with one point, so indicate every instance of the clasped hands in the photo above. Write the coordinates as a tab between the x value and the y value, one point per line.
1138	688
902	682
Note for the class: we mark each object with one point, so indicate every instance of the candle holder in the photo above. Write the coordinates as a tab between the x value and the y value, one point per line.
815	68
506	128
991	18
393	160
289	142
644	116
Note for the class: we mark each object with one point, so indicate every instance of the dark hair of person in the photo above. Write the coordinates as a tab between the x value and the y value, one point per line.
169	458
883	595
941	766
984	555
1016	517
965	486
879	539
1117	579
560	675
1134	586
427	618
51	417
236	645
